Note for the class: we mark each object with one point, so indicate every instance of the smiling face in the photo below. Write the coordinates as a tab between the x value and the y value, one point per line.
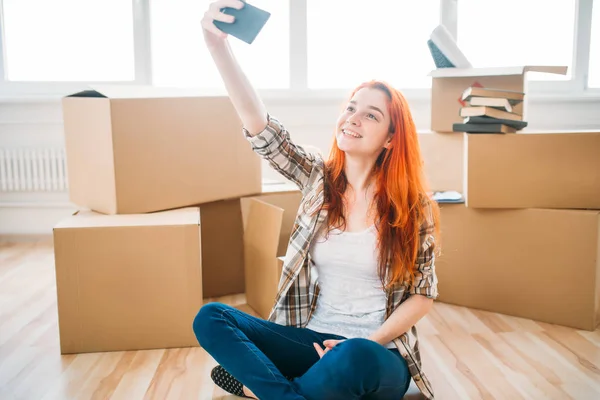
363	127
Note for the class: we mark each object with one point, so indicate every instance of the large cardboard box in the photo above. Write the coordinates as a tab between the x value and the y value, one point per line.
443	160
128	282
448	84
140	149
544	170
540	264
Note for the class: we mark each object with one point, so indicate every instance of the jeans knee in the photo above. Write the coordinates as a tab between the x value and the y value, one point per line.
204	322
359	352
356	365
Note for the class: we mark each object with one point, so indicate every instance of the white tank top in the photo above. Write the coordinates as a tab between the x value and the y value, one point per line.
351	300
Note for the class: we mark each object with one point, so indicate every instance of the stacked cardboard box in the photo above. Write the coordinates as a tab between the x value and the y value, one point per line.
527	240
160	178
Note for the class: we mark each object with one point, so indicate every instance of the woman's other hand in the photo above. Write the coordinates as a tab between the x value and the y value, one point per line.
329	344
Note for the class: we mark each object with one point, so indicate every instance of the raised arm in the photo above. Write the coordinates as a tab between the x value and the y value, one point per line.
248	105
268	137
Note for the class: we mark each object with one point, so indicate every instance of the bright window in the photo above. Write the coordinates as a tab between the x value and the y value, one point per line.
68	40
180	57
353	41
594	73
497	33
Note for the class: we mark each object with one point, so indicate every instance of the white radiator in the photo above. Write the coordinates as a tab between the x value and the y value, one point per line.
25	169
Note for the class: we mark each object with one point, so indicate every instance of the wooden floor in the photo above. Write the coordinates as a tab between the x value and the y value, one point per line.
468	354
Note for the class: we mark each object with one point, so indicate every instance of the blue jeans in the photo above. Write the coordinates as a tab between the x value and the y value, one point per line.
279	362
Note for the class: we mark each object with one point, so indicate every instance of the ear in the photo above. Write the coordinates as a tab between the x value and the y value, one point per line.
388	143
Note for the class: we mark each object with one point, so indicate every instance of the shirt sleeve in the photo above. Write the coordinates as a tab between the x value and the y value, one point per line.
275	145
425	280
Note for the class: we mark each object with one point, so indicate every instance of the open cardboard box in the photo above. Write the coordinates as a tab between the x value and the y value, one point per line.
224	225
268	221
533	170
137	149
448	84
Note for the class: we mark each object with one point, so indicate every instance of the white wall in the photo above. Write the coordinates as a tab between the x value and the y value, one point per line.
39	123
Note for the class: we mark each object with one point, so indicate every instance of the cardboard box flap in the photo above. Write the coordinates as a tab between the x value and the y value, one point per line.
263	228
549	69
92	219
262	269
145	91
495	71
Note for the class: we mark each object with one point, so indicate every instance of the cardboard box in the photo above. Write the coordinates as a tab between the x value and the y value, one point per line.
128	282
540	264
533	170
139	149
443	158
448	84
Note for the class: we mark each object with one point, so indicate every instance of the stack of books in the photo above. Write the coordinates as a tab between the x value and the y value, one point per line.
489	110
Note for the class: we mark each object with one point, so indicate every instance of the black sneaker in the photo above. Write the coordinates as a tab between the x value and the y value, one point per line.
227	382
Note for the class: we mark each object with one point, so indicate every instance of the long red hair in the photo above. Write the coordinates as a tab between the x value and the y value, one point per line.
400	198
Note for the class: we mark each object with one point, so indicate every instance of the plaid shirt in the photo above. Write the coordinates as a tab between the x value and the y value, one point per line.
298	287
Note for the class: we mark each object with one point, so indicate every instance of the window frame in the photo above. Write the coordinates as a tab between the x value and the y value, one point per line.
576	87
35	89
582	46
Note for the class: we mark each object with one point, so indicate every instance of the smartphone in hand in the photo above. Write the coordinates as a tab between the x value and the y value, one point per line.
249	21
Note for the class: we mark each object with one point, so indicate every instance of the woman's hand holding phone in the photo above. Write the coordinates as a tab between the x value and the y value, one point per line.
213	35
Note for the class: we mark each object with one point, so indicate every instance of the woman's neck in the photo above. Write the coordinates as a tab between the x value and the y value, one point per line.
358	173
